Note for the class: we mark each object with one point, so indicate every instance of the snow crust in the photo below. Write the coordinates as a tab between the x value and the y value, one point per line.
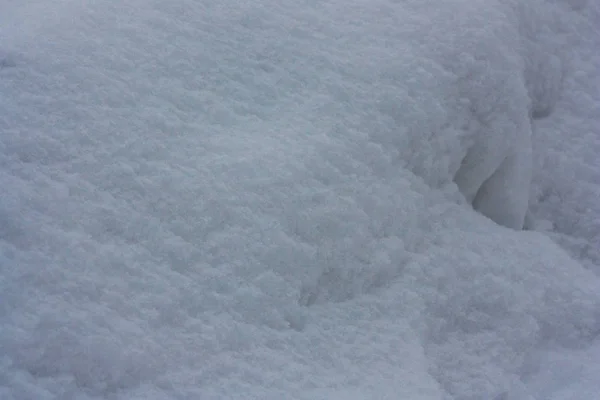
242	200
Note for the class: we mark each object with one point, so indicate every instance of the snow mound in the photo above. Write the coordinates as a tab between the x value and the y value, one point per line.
229	200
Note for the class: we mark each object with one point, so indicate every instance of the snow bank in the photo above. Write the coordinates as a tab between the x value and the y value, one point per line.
566	189
232	200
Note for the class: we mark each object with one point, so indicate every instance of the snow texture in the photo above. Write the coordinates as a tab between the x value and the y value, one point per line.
299	199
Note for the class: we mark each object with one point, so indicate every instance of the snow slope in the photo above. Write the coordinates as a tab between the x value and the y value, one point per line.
232	200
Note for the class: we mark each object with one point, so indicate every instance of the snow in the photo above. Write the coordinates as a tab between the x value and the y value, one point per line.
241	200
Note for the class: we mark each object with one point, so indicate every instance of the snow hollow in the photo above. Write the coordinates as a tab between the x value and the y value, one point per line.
282	199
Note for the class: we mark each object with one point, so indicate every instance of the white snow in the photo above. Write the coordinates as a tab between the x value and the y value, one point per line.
272	200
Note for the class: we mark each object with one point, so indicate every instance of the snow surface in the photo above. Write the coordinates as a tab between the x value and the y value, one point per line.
242	200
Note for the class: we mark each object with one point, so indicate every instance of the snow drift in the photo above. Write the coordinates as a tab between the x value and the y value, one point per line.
238	200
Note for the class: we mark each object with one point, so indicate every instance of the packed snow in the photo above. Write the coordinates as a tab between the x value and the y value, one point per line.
299	199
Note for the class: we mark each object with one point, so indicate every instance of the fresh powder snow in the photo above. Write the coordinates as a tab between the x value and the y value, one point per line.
299	199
